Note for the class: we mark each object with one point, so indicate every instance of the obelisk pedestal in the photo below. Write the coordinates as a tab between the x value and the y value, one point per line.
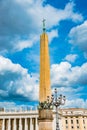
45	119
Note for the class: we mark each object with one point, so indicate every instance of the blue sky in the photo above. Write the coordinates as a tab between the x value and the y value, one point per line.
20	30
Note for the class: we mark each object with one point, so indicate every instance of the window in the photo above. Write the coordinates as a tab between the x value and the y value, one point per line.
83	121
71	121
78	127
72	127
77	121
66	127
66	121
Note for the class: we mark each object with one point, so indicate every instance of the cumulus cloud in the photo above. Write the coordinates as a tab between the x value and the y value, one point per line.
68	91
12	106
7	104
73	99
25	43
78	37
72	94
71	82
52	34
23	19
64	75
16	83
71	57
77	103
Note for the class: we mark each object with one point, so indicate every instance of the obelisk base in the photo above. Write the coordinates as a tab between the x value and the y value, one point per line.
45	119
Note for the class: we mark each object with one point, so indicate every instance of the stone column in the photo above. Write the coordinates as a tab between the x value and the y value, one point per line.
20	124
63	123
14	124
69	123
45	119
74	123
31	125
26	124
81	123
36	124
9	124
3	124
85	122
54	121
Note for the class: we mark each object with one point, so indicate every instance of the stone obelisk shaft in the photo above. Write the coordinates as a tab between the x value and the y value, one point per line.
45	113
45	89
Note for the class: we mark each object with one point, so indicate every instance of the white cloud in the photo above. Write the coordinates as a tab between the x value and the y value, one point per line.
7	104
77	103
71	57
28	43
73	97
33	39
16	83
7	65
53	34
64	74
71	82
12	106
78	36
70	13
70	92
25	1
25	20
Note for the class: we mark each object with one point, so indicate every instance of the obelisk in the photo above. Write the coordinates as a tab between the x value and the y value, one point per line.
45	89
45	111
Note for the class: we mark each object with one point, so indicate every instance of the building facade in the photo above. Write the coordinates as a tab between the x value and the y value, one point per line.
69	119
74	119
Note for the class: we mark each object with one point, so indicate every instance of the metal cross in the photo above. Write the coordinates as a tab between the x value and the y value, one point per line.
44	25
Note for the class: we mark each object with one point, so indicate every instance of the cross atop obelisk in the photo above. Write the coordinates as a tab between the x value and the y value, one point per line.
44	28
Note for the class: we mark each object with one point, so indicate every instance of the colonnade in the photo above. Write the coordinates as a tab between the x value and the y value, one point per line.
74	123
29	121
20	124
